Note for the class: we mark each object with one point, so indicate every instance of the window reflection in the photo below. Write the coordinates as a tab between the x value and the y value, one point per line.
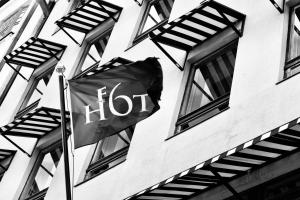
45	171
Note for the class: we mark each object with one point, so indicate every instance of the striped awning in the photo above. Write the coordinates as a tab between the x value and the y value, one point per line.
94	69
89	15
256	153
197	26
34	124
34	52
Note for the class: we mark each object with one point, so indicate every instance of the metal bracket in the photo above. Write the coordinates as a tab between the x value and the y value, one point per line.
167	54
4	168
138	3
229	23
68	34
10	33
107	12
226	184
22	76
17	146
49	51
281	10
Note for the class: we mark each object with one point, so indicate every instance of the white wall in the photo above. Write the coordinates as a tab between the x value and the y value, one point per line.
257	103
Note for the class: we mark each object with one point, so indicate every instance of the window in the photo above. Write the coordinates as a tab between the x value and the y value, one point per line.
208	88
109	152
95	51
37	85
157	12
293	47
2	2
6	157
42	173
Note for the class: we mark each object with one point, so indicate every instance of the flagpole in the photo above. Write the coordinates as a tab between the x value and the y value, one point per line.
64	135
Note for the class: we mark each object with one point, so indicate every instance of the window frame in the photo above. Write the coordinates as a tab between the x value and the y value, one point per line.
201	111
44	147
87	46
294	62
34	79
139	35
94	165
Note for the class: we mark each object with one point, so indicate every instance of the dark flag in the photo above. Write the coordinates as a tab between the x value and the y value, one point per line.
108	102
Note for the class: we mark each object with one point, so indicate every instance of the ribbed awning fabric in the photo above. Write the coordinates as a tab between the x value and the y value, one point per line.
94	69
202	23
5	159
5	153
89	15
256	153
34	124
34	52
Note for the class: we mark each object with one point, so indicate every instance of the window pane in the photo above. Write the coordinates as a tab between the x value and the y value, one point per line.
109	152
208	88
292	64
211	80
156	13
110	145
45	171
294	47
96	51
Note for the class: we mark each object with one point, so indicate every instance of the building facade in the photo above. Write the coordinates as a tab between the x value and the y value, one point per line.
227	127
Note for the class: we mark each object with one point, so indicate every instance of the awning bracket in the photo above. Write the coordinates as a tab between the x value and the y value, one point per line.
49	51
138	3
17	146
229	23
16	71
68	34
112	17
225	183
167	54
4	168
281	10
22	76
10	33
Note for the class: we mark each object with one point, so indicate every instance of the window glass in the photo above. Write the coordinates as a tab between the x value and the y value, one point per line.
208	88
45	171
96	50
292	64
7	24
211	80
156	12
39	85
109	152
294	47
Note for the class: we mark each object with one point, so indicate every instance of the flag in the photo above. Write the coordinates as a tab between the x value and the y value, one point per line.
108	102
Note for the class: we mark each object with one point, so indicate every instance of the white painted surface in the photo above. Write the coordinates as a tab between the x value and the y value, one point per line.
257	104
